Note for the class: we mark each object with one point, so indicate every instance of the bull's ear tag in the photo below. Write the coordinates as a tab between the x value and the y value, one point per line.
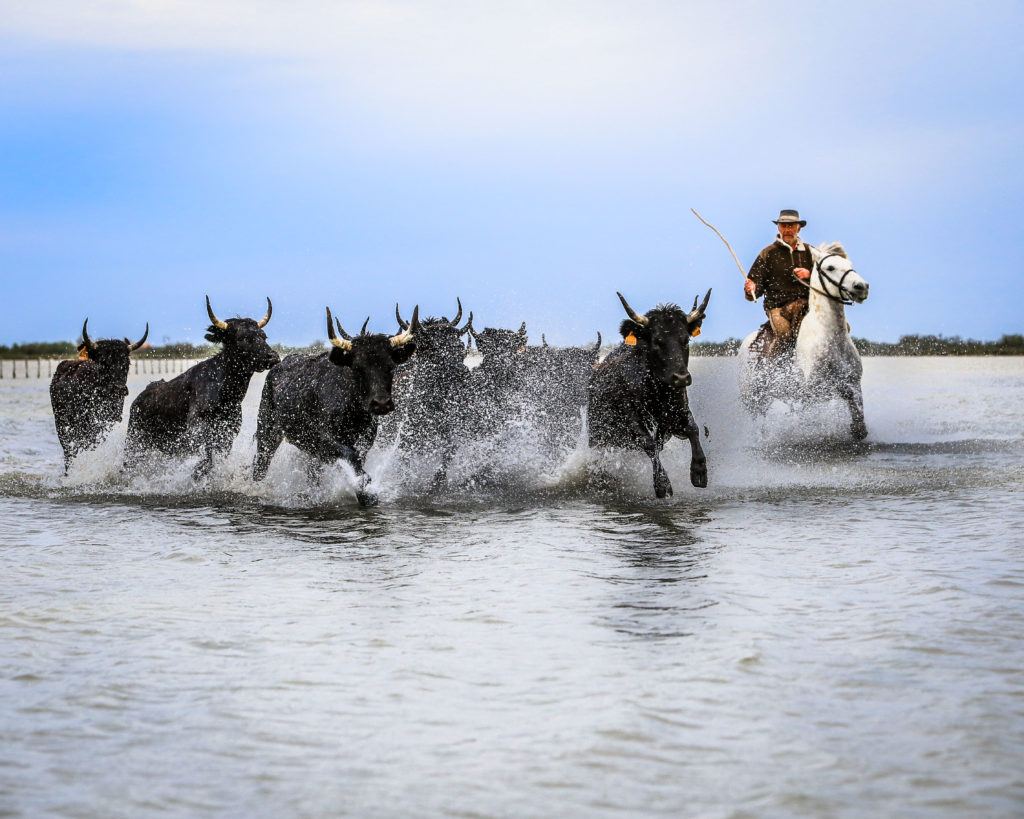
83	353
695	332
631	340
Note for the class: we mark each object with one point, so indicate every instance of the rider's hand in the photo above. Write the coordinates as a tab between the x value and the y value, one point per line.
802	273
748	289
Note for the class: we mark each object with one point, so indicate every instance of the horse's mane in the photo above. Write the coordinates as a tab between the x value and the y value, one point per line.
833	248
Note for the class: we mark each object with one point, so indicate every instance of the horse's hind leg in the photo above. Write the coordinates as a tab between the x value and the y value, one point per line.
851	393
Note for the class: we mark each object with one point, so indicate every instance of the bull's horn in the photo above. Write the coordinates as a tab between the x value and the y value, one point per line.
468	325
472	330
642	320
407	336
365	323
598	345
341	343
341	330
270	309
85	336
522	329
458	316
697	313
401	322
216	322
543	341
142	340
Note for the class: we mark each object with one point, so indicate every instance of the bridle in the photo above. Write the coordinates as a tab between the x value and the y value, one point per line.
838	285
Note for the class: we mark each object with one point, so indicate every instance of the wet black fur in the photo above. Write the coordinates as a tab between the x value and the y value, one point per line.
328	405
430	390
87	395
200	411
637	396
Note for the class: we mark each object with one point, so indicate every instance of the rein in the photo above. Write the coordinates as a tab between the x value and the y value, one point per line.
838	285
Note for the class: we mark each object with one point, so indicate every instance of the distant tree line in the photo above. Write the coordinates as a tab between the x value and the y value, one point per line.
1012	344
942	345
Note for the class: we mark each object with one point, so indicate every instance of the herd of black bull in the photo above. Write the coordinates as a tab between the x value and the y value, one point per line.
329	404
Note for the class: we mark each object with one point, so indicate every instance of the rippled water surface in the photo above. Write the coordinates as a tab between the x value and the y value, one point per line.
827	630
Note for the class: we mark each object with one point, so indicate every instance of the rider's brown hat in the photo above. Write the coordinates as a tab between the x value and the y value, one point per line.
790	216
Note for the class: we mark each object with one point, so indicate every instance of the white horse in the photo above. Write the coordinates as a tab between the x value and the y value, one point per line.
825	363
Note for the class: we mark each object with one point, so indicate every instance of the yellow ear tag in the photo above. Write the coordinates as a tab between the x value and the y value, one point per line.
631	340
83	353
695	332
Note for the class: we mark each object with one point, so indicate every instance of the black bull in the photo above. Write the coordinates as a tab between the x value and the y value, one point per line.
637	396
87	394
327	404
200	411
430	392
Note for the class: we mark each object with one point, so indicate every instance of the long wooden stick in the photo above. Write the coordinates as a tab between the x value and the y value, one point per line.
720	236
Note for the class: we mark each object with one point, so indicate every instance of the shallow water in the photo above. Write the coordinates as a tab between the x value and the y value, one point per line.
829	629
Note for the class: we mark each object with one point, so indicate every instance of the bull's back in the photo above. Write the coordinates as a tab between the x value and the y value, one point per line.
612	414
314	403
293	384
160	409
79	389
65	384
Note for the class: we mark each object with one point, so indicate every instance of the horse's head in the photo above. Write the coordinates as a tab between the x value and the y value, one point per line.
833	274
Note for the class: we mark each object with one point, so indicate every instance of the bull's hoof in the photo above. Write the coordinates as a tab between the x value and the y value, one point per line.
663	488
859	430
699	475
367	498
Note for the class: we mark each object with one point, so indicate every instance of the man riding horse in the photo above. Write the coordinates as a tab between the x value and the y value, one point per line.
774	275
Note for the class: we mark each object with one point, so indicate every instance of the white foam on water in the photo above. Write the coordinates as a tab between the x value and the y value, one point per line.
907	404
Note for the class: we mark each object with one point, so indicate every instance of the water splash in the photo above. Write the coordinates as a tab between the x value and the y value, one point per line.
912	415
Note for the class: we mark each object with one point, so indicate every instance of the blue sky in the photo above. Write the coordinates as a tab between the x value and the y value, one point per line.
530	157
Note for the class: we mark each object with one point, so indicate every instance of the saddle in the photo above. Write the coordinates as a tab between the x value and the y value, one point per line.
771	350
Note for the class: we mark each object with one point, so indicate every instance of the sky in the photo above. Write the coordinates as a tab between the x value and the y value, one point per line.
531	158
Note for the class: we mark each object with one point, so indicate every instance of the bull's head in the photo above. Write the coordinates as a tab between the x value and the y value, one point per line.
663	336
243	338
438	339
110	354
497	345
372	358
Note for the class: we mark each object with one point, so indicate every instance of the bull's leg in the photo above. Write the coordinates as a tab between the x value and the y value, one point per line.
851	393
698	461
662	485
441	475
70	451
345	452
133	451
268	438
314	470
365	496
215	442
205	465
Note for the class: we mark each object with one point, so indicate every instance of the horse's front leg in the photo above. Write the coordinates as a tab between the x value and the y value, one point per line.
698	461
851	393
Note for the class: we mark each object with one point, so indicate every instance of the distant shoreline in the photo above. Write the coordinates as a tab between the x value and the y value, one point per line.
910	345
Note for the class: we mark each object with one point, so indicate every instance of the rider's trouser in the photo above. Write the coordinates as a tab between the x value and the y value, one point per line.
785	320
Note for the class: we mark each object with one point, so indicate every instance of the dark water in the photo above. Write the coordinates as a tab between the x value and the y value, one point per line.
828	630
